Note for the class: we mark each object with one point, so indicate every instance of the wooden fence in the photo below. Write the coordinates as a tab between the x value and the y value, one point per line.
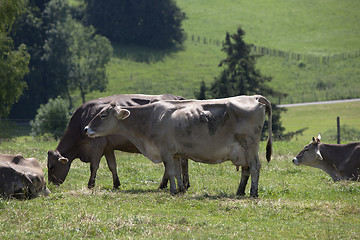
284	54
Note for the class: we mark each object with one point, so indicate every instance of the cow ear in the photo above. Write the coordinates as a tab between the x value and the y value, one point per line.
314	140
319	137
122	113
63	160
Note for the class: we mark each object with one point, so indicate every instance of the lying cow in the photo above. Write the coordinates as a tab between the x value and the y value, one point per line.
21	177
76	144
340	161
208	131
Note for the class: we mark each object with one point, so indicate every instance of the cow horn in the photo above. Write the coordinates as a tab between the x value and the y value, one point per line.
63	160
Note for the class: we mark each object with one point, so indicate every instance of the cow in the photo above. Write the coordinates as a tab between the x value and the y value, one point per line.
207	131
76	144
340	161
21	177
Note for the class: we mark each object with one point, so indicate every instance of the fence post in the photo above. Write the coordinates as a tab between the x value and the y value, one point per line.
338	130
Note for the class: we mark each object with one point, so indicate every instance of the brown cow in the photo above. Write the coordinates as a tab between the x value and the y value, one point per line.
208	131
76	144
340	161
21	177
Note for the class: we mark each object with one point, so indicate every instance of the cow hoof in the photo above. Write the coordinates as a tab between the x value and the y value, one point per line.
173	192
240	193
254	195
117	185
163	185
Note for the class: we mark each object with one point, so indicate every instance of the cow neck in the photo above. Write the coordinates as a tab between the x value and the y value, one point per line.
329	152
139	118
135	127
330	165
69	143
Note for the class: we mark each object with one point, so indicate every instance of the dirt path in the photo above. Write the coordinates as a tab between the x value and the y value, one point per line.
321	102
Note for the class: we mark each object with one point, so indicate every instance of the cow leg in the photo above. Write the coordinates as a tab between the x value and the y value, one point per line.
164	180
185	175
173	170
111	162
255	174
94	166
178	171
185	172
245	174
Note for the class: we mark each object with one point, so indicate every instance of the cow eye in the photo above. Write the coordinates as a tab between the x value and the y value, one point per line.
102	116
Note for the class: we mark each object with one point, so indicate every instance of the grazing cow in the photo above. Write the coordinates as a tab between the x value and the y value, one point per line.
340	161
208	131
21	177
76	144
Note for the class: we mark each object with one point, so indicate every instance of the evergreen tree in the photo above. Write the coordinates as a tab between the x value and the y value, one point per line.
240	76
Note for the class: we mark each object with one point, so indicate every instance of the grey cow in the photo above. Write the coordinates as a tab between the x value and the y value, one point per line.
21	177
208	131
340	161
76	144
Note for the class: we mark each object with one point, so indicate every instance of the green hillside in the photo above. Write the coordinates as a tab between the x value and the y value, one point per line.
311	29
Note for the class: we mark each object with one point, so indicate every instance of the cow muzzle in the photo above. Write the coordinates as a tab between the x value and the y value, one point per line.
296	162
89	132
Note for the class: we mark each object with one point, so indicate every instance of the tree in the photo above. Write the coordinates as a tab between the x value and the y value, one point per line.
150	23
89	55
65	55
35	27
52	118
240	76
13	62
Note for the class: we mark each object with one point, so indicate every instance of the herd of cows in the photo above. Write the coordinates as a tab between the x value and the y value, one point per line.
171	130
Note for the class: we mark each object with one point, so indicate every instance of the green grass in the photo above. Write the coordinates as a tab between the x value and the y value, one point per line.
294	202
320	118
299	26
321	28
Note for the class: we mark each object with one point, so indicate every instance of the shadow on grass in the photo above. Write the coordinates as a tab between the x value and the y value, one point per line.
220	195
143	54
139	191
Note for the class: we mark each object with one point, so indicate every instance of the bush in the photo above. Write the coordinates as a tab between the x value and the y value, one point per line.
347	133
51	118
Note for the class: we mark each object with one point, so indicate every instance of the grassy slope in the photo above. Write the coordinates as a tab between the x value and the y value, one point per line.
306	27
299	26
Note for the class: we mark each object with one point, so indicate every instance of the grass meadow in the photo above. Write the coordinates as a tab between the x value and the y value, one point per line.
294	202
320	28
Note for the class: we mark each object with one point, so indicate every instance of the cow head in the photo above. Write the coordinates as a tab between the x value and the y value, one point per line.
105	122
310	155
58	167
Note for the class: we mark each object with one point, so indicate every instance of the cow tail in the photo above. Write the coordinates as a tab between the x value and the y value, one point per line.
268	110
